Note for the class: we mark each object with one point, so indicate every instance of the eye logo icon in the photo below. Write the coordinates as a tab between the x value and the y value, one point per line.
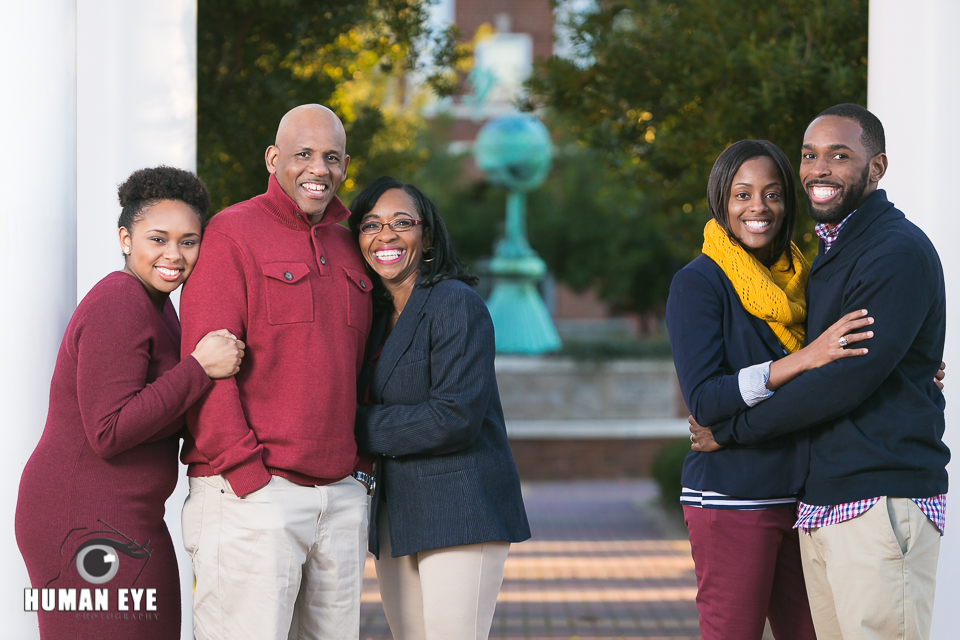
97	558
96	561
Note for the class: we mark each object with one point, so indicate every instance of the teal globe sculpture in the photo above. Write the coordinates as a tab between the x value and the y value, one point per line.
514	151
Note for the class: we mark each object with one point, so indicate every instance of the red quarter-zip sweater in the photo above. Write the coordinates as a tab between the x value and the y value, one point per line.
299	297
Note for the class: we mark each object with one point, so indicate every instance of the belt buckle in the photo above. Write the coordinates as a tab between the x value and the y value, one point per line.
366	480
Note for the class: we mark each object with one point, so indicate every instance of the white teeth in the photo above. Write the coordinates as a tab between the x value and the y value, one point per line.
168	272
757	224
311	186
388	254
824	192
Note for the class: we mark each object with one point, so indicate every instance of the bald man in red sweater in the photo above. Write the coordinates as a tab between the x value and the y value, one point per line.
276	519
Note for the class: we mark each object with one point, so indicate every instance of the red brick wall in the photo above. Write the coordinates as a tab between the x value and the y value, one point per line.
570	304
534	17
463	129
585	459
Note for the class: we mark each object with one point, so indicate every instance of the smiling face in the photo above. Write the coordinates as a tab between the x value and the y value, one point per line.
394	256
309	158
755	207
836	170
162	247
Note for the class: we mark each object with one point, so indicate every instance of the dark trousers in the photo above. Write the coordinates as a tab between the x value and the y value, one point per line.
748	569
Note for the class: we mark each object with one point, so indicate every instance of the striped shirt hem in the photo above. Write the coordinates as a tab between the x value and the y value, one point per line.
714	500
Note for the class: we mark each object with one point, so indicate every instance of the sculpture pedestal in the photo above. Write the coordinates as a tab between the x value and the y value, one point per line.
520	319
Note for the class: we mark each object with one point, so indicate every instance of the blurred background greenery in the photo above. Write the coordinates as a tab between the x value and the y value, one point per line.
259	58
651	93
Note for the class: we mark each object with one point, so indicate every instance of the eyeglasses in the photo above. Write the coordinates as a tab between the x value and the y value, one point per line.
398	225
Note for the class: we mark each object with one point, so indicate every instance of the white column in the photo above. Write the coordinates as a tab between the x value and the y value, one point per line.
136	107
914	88
37	237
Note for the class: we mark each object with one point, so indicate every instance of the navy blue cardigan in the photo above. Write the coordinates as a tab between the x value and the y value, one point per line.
877	420
437	425
713	337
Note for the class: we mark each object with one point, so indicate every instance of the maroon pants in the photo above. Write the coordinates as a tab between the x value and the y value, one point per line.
748	569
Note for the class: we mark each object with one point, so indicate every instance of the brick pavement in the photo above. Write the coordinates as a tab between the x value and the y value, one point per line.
605	562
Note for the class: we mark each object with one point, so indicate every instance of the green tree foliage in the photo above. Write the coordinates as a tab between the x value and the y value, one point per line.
259	58
666	470
658	90
580	213
472	210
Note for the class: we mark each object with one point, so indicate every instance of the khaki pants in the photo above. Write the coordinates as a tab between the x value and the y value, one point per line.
284	554
441	594
873	577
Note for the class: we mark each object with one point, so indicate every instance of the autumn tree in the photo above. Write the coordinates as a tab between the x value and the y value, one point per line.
655	91
259	58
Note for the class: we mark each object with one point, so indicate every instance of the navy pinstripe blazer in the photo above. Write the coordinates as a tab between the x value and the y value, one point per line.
437	426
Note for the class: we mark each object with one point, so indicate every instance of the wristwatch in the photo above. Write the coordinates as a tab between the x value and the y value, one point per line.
366	480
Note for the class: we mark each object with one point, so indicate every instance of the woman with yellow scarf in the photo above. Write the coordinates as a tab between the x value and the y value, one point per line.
736	316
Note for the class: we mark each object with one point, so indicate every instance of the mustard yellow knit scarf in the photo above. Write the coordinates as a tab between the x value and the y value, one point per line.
775	295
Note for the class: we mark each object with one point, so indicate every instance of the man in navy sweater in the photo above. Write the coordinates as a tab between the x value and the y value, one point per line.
873	503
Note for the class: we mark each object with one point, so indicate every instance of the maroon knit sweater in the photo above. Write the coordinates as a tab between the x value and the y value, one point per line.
107	459
299	296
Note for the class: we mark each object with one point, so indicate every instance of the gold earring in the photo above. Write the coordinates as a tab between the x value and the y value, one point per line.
432	251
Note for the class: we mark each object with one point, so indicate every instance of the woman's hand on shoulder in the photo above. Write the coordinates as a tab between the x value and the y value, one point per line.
834	343
219	353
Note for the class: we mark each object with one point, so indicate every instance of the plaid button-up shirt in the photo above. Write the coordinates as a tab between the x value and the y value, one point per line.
812	517
828	235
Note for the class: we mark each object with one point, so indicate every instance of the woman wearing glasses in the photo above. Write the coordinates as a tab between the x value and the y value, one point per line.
447	503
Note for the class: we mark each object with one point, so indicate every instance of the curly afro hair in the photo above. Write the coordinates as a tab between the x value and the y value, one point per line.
146	187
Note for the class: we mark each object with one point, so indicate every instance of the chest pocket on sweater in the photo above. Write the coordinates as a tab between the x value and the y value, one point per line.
289	294
359	303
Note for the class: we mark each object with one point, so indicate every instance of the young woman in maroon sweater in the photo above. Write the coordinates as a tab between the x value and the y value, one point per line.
89	519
